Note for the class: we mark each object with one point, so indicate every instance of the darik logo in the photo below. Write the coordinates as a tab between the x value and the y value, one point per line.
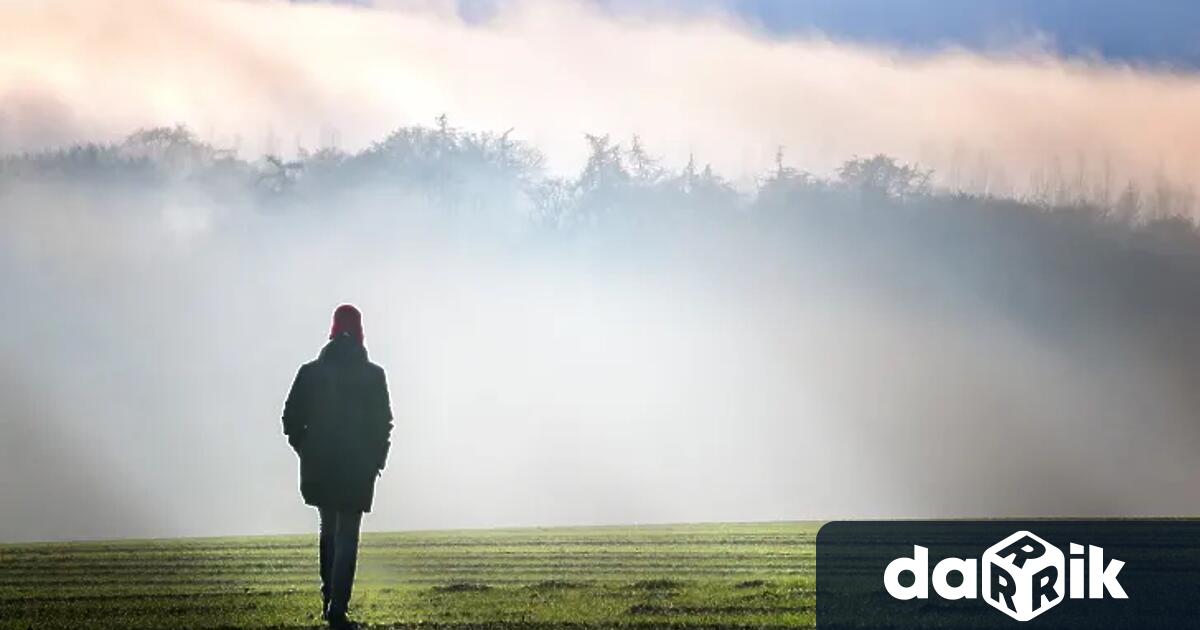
1023	576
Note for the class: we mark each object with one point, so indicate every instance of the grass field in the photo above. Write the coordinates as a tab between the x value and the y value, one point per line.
736	575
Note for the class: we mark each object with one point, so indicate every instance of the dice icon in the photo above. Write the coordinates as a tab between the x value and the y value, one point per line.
1023	576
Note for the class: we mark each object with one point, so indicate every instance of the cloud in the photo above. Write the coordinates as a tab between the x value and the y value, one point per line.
268	76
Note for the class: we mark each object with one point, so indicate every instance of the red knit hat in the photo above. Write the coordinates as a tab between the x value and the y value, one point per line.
347	320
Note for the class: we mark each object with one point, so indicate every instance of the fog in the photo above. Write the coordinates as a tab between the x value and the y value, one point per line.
667	367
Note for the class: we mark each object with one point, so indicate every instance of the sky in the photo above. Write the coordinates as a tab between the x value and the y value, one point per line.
1161	32
1003	98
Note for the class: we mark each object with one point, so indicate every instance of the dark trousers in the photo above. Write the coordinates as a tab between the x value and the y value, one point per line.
339	555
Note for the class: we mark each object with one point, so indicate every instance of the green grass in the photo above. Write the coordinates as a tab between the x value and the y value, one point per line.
747	575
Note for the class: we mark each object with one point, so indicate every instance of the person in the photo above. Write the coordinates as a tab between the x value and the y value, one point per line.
338	419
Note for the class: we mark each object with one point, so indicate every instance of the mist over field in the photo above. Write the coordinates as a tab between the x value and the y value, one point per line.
586	330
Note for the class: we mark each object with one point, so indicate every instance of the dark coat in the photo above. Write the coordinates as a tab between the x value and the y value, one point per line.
339	421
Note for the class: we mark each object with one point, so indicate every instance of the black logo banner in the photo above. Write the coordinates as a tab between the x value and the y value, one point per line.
1142	574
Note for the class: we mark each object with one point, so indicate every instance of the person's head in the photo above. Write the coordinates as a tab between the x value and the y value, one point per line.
347	321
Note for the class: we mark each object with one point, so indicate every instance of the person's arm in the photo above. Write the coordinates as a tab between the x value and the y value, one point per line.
295	412
384	415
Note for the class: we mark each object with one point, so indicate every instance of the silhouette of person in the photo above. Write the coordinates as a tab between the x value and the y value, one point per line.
338	419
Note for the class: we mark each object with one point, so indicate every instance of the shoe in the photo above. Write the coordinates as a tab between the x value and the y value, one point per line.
341	622
324	607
